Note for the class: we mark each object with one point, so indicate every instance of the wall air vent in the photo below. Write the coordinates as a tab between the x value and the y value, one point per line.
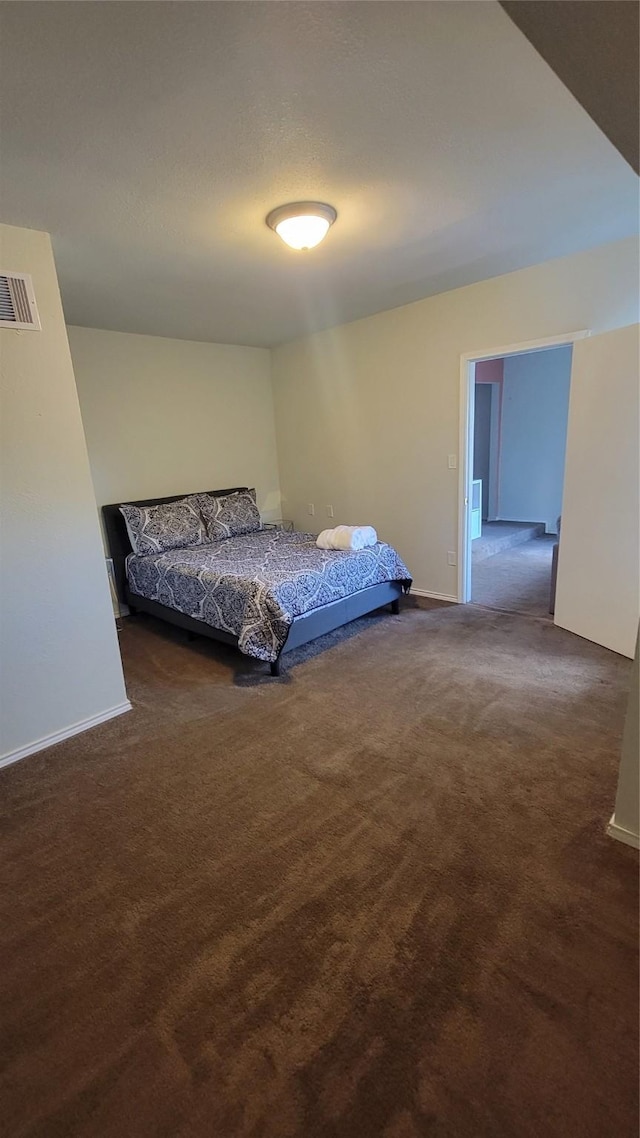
17	302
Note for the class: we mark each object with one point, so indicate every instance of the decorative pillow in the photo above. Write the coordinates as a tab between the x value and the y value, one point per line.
229	516
170	525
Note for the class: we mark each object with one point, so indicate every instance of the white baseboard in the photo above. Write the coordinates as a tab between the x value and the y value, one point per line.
66	733
433	596
622	835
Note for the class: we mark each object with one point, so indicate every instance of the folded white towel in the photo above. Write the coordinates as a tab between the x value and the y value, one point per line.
347	537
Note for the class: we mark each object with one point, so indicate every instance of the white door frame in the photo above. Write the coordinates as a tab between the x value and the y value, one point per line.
468	361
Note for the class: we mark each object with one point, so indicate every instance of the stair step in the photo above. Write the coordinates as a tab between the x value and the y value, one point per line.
494	541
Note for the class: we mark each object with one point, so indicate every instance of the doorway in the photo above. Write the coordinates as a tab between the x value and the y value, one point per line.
514	416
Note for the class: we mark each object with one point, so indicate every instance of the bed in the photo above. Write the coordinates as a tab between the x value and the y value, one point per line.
266	591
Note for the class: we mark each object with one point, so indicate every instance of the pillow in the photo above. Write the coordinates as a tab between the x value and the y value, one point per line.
169	525
229	516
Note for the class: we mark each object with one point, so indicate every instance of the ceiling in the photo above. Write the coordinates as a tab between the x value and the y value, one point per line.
151	140
594	46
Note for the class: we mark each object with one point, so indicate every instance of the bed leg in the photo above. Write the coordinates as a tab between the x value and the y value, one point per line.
275	668
395	606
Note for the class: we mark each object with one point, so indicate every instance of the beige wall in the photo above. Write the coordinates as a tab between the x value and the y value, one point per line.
165	416
367	413
59	651
598	592
625	824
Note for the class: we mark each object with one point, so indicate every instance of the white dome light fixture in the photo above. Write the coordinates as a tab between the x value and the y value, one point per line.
302	225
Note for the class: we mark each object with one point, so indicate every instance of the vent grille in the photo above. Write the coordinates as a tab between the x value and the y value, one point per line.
17	302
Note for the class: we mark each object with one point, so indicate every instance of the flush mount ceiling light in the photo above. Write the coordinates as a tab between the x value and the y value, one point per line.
302	225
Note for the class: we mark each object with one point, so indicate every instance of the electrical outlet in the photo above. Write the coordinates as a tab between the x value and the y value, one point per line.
329	511
452	462
451	558
311	509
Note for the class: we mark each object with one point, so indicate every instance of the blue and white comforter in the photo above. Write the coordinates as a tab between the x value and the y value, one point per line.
254	586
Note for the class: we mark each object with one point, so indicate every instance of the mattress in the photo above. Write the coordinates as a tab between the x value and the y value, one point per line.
255	585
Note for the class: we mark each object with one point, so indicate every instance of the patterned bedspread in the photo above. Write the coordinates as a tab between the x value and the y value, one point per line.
255	585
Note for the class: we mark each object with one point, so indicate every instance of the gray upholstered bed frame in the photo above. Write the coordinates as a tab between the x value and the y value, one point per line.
303	629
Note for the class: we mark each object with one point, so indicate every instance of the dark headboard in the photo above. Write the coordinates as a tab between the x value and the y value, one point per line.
118	538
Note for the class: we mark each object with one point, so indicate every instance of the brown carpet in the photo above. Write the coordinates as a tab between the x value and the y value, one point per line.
372	898
516	580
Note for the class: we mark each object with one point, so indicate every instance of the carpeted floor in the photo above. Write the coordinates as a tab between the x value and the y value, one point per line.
372	898
516	580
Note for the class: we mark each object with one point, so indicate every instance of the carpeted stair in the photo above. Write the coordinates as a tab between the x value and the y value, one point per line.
498	536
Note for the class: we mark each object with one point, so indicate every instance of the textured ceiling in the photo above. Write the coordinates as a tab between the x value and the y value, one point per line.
151	139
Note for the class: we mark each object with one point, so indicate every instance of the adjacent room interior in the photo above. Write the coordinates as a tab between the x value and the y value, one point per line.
319	339
520	418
